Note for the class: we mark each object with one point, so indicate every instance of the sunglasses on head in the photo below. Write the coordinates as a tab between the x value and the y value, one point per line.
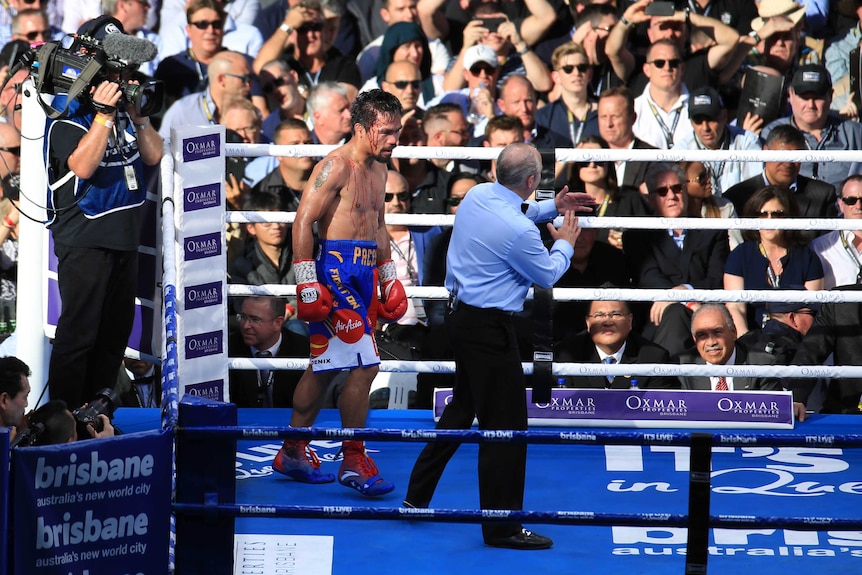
310	27
673	63
453	201
569	68
849	200
771	214
402	197
663	191
402	84
204	24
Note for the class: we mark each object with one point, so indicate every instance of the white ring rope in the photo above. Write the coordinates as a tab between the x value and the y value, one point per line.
562	154
586	369
612	294
635	222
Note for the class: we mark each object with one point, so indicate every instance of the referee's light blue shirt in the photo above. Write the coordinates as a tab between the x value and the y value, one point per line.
496	253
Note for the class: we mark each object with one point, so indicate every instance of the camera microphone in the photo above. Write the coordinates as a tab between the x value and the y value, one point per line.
129	49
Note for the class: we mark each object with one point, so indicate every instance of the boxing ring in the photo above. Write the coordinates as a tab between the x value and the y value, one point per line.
775	501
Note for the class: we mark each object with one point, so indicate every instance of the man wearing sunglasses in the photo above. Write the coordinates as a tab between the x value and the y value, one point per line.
567	120
205	34
662	108
840	251
701	66
32	27
404	81
673	259
13	7
711	131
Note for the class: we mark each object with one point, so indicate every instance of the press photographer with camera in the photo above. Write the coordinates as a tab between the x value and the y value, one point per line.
98	143
52	423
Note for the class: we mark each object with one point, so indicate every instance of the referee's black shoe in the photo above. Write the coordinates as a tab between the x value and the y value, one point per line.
523	539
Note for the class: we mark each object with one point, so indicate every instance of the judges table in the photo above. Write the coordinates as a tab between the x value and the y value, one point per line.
759	480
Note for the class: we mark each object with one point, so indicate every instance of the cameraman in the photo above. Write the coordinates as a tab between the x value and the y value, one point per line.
95	157
58	425
14	389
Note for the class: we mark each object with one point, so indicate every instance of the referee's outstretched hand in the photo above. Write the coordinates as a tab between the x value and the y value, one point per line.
577	201
569	231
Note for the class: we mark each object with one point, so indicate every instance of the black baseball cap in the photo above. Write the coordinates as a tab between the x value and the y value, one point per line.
812	79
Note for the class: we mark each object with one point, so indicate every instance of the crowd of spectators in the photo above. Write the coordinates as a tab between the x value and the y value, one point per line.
552	73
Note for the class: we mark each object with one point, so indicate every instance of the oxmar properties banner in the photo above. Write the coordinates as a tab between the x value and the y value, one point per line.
95	507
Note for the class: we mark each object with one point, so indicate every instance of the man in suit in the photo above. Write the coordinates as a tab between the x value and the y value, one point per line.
261	335
609	339
835	331
816	199
616	125
673	259
714	336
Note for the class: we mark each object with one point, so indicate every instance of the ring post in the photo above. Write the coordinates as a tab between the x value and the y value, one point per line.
700	462
5	560
206	474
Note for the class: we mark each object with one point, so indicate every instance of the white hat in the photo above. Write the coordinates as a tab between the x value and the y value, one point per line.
767	9
480	53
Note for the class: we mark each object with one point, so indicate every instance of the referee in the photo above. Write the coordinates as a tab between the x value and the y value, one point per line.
495	255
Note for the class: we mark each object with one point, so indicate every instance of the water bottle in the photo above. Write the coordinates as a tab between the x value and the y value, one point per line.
633	384
561	382
473	114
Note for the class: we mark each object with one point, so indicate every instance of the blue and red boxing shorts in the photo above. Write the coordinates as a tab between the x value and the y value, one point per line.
345	339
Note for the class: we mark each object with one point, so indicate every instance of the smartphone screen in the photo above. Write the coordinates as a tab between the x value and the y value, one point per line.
492	23
659	8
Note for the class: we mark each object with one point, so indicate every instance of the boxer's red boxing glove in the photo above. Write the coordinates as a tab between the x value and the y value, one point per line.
313	300
393	298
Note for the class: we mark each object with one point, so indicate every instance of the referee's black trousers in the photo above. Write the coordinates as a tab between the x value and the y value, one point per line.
489	385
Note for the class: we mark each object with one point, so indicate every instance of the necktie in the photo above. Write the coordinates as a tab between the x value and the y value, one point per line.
264	382
722	384
610	361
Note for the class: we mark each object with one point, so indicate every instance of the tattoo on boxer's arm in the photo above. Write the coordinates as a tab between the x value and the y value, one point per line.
323	175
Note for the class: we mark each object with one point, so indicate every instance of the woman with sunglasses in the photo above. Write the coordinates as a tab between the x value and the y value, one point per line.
599	180
702	203
769	258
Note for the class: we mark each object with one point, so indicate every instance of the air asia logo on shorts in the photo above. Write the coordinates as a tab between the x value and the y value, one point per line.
319	344
347	325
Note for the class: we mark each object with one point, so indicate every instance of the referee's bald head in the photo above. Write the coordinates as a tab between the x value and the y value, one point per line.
516	163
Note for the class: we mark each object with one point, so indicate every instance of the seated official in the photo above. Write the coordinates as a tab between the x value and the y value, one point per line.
261	335
139	383
715	344
609	339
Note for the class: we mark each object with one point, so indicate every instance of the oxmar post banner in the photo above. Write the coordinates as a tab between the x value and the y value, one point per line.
95	507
